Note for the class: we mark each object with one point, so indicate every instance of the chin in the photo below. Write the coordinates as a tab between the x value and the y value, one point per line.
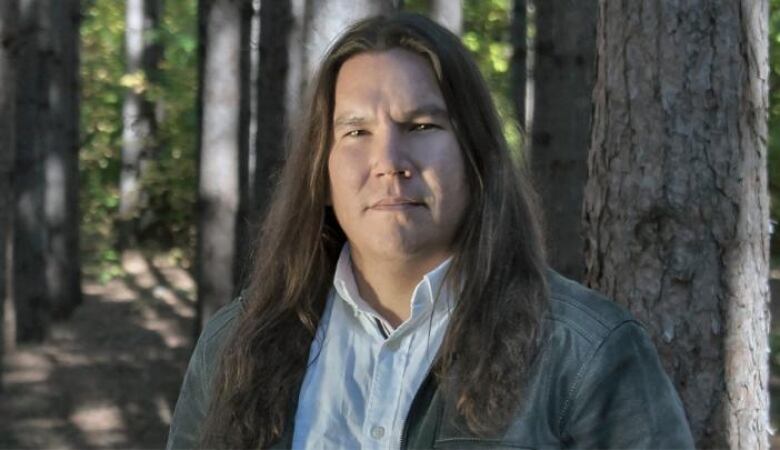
406	249
397	251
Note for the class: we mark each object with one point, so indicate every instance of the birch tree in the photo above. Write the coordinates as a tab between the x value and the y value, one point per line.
449	13
139	122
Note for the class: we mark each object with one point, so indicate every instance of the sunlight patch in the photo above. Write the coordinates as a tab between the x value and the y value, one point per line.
102	425
98	418
163	410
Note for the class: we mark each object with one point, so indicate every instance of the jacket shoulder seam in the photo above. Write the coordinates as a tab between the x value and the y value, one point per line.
575	327
572	302
584	367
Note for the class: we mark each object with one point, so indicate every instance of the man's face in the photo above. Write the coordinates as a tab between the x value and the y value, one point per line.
397	181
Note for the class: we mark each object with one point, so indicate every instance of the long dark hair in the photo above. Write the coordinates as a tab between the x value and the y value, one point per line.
498	260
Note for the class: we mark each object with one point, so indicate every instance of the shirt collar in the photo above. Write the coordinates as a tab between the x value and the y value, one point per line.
424	295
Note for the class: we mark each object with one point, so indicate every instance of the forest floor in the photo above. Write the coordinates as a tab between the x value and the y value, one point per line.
108	377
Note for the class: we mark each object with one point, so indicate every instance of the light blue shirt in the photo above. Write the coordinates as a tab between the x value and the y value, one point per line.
359	385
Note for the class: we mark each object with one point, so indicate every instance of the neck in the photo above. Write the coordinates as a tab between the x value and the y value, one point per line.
387	285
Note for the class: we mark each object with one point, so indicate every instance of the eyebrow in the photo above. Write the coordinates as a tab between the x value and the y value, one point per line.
426	110
352	119
348	119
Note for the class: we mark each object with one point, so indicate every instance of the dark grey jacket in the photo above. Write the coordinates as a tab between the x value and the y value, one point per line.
597	383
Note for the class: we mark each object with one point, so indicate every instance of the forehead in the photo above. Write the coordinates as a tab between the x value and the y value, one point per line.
396	79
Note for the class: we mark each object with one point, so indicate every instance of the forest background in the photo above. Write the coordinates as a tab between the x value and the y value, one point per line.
165	222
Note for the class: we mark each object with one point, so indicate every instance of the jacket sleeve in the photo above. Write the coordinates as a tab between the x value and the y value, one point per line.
193	402
624	399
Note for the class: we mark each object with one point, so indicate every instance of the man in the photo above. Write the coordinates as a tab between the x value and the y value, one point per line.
400	297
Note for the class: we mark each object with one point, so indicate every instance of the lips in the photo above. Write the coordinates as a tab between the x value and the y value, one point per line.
395	203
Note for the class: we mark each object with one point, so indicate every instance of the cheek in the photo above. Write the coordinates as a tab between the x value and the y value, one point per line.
344	173
454	167
457	197
447	182
459	180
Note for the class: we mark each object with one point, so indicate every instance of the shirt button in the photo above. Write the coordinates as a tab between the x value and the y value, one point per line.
377	432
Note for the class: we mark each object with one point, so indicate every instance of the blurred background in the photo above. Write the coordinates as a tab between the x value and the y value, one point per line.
140	141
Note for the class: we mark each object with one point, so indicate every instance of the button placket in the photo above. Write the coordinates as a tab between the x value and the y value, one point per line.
375	399
384	387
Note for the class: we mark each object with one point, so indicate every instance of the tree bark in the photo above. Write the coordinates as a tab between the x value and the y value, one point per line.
326	19
248	123
9	12
63	280
448	13
676	207
280	50
31	304
565	72
518	68
139	122
218	188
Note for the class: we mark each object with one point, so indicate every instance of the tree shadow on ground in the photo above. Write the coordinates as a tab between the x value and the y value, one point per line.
108	377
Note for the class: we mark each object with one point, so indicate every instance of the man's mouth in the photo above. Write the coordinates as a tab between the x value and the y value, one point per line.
395	204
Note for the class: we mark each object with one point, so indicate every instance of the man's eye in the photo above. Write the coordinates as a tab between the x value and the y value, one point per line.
355	133
423	126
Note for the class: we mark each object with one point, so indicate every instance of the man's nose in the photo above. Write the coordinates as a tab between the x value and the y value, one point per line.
390	158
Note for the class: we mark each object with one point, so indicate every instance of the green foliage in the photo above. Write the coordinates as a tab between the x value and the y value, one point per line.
774	114
171	182
169	185
102	68
487	28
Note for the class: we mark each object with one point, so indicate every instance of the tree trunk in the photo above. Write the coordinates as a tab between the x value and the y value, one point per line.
326	19
676	207
448	13
278	84
8	40
250	54
218	189
32	309
563	84
139	132
518	69
63	280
